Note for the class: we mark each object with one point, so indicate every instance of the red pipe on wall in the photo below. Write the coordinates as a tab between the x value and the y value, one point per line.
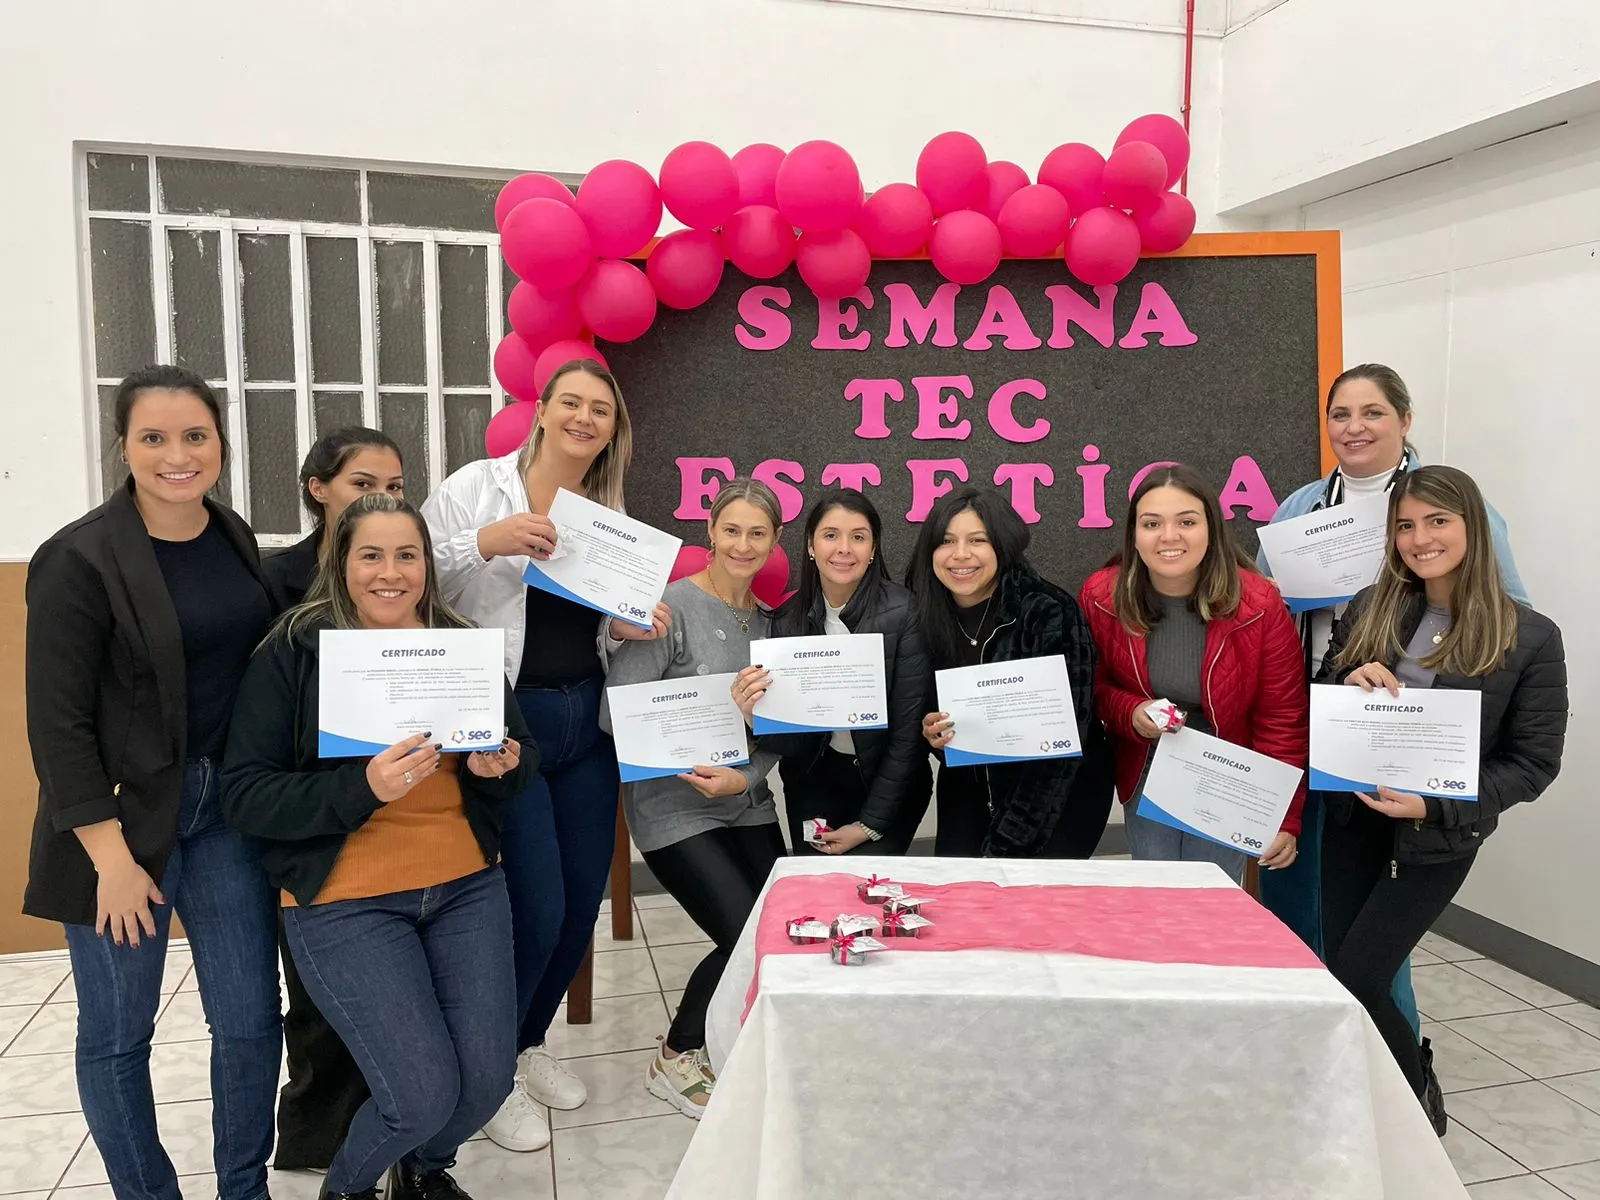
1188	80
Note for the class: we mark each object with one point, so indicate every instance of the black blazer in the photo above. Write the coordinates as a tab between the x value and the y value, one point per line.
290	572
107	715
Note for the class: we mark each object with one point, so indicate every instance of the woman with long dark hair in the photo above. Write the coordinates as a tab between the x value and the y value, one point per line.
1439	616
980	601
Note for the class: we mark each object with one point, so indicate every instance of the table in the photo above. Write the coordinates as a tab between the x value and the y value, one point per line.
994	1073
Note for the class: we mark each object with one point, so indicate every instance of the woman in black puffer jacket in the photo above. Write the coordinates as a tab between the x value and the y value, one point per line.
1438	617
870	785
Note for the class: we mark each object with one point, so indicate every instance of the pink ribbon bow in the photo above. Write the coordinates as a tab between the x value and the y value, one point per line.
894	920
873	881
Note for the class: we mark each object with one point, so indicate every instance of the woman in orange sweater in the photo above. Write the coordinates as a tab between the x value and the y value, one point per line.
394	903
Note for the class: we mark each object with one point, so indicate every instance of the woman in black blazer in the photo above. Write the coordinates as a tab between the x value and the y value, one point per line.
142	616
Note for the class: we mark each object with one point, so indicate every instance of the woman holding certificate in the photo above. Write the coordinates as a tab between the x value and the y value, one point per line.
1440	616
710	835
394	905
980	601
487	520
1185	619
868	787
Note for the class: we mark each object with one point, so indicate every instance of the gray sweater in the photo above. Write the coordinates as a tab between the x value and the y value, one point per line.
704	640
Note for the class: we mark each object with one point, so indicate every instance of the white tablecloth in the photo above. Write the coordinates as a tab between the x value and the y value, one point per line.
1020	1075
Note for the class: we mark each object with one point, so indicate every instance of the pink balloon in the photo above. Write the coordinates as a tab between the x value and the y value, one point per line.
685	267
1167	226
1102	246
691	560
546	243
528	187
965	247
896	221
509	428
699	186
1077	172
621	205
543	317
834	265
616	300
757	169
818	188
771	584
515	367
553	357
1033	222
1167	136
759	241
1005	180
952	172
1135	175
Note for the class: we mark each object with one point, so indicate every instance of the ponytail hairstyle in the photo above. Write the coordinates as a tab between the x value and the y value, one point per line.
330	455
1387	380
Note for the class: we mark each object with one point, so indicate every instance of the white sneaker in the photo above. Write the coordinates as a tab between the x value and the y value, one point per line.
684	1081
547	1081
520	1125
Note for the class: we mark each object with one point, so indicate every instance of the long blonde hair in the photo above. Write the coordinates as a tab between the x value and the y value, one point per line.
602	482
1483	618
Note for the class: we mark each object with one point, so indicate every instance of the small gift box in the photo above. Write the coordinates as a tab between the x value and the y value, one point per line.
904	904
845	925
852	949
813	830
808	931
904	924
1168	717
873	888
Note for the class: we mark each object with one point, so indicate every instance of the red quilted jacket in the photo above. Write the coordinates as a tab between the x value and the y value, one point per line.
1254	680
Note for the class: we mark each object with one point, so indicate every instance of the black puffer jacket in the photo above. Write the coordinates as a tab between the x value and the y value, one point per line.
1522	729
894	761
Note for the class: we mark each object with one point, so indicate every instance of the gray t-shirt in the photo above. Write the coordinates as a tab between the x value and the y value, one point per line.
1176	650
1435	624
705	639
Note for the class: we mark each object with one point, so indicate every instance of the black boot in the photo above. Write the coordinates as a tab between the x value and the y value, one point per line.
408	1183
1432	1093
370	1193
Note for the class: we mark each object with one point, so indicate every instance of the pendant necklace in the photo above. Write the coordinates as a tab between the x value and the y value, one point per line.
742	622
972	639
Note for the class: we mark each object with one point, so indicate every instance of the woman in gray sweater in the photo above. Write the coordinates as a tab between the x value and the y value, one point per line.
709	835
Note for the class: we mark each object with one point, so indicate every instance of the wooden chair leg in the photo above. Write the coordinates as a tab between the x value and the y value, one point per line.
622	880
1252	878
580	996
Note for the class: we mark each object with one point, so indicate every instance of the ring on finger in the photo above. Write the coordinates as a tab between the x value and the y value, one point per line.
408	778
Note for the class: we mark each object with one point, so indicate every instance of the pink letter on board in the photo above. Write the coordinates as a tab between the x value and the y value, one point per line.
926	484
695	491
1002	317
834	321
855	476
1094	490
933	406
1023	477
1070	308
1247	488
762	307
1002	411
874	395
1157	314
906	312
781	474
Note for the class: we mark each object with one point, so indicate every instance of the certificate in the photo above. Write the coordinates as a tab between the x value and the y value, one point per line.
1325	557
1423	741
1009	712
1225	793
667	728
376	687
819	684
604	560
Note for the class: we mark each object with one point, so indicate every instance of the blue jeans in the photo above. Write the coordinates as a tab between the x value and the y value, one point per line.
1294	896
1155	841
556	847
215	882
419	986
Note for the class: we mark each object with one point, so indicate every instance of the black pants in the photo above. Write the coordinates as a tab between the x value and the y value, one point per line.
834	790
325	1086
716	876
964	818
1372	920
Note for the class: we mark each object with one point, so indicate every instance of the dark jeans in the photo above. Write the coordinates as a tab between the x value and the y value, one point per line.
834	790
1372	922
325	1088
716	876
556	848
215	882
419	986
964	820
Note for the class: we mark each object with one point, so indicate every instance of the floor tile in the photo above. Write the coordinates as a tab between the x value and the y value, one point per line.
28	1196
625	1160
654	900
1442	947
1463	1064
182	1020
1584	1088
1446	992
673	999
620	1023
616	1091
53	1030
34	1151
1518	984
1585	1016
284	1185
1580	1182
30	980
97	1191
13	1019
674	964
32	1084
483	1169
181	1071
1519	1187
669	927
1421	958
185	1131
624	973
1534	1042
603	941
1475	1159
1535	1125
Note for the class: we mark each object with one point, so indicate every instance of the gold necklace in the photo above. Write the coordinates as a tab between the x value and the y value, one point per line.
742	622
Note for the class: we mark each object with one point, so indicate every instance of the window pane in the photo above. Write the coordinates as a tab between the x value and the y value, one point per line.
229	189
466	419
508	280
119	183
404	417
432	201
113	471
266	306
124	307
333	293
196	301
464	315
335	410
274	465
402	349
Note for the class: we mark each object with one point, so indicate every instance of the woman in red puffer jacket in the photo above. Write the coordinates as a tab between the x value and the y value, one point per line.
1185	617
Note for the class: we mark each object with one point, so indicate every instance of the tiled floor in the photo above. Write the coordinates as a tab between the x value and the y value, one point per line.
1520	1064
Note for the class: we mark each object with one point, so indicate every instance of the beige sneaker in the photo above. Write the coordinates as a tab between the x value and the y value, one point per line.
684	1081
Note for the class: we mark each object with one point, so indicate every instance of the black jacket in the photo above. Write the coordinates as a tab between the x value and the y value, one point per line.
107	705
893	761
302	807
1522	728
1027	799
290	572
